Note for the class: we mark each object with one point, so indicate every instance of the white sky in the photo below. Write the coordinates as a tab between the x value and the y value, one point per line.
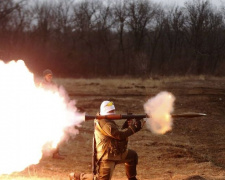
181	2
218	3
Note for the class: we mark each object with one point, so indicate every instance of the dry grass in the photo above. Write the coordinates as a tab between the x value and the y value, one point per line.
194	149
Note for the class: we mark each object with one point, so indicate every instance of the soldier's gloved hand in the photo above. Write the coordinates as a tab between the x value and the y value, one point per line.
127	123
138	125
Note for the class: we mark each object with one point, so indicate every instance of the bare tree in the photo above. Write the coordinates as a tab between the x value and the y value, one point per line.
201	29
6	11
12	21
43	18
62	17
172	29
105	38
140	14
120	16
175	25
83	23
132	37
155	33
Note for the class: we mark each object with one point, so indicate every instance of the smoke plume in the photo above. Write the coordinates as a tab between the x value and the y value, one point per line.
31	117
158	109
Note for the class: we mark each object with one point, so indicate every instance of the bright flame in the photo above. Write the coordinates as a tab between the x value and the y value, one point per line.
158	109
30	117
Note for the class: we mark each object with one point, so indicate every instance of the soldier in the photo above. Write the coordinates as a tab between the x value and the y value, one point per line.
47	79
48	83
111	147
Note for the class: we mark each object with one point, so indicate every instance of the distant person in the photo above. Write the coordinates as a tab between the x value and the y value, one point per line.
48	83
47	80
110	145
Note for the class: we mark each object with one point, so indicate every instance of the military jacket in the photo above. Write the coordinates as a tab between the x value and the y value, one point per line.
111	142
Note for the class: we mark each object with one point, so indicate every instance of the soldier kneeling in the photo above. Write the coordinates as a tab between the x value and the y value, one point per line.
111	147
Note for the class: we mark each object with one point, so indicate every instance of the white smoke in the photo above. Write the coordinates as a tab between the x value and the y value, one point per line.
31	117
74	118
159	109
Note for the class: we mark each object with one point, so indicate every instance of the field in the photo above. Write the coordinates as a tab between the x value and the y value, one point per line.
193	150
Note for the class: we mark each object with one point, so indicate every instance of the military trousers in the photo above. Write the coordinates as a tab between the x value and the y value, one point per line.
106	167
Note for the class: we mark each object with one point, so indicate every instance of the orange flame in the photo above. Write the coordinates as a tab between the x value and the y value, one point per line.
30	117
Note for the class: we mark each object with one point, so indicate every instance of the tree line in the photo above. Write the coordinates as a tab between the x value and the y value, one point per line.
129	37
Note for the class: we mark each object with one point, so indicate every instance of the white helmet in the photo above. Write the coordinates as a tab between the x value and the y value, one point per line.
106	107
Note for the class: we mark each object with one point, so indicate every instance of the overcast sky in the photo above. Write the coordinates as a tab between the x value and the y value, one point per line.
218	3
181	2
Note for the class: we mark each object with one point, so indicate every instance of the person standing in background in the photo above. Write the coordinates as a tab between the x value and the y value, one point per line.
47	83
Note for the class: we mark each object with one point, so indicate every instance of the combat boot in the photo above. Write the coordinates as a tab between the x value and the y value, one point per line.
74	176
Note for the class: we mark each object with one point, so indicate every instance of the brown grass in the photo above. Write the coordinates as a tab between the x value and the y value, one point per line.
194	149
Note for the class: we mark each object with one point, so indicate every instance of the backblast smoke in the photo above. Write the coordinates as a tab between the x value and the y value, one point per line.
31	117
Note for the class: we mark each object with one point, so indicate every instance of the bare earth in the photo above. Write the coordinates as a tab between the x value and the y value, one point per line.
193	150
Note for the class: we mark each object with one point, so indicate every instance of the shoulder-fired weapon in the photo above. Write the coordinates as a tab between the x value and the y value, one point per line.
139	116
127	116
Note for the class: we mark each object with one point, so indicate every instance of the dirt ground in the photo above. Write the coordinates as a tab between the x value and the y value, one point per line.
193	150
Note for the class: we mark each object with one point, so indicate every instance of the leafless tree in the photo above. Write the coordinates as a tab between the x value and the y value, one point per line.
43	18
106	50
140	15
129	37
120	18
155	38
175	24
203	32
12	21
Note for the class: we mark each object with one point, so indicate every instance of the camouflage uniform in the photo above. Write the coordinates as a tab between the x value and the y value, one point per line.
111	147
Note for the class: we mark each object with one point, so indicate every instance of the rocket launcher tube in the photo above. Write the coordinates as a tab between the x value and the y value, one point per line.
139	116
